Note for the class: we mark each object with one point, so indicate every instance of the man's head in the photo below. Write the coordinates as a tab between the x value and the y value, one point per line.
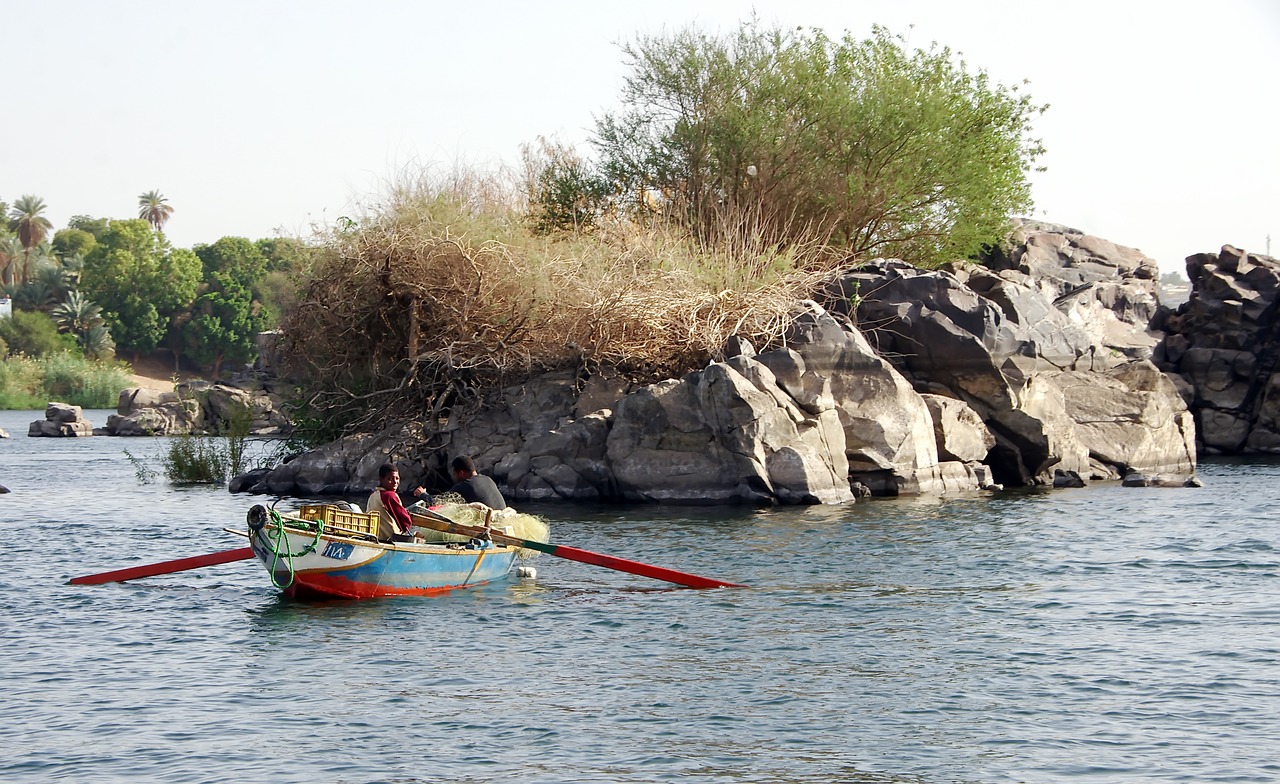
388	477
462	467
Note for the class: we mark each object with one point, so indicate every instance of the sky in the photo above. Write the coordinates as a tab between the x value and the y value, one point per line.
263	118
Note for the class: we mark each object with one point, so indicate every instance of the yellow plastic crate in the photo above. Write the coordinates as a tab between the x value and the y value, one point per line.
342	520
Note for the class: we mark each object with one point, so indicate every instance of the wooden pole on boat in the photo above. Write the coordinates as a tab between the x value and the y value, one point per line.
164	567
438	522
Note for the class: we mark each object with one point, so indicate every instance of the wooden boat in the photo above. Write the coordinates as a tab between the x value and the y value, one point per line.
328	552
323	551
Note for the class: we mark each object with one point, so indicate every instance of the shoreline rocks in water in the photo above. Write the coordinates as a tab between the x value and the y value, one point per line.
196	407
1034	370
61	421
1223	344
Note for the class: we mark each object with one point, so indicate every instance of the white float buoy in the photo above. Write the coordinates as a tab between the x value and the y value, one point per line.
526	572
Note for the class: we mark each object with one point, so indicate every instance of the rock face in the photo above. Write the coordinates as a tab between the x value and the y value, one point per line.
1224	343
1051	352
195	407
61	420
806	424
1035	371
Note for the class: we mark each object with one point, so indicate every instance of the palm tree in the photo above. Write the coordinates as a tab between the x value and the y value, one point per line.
31	226
10	252
153	208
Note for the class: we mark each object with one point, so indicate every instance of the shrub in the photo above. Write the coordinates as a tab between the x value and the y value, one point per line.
34	334
30	382
200	459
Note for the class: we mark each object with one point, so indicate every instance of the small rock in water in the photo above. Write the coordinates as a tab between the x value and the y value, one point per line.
1063	478
1136	479
3	489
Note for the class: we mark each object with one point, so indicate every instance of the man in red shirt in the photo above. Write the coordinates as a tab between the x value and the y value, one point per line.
393	517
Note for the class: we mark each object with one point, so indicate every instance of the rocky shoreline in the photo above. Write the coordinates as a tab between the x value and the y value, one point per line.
1048	365
1051	364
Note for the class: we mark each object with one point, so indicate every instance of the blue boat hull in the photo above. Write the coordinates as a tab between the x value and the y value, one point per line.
307	566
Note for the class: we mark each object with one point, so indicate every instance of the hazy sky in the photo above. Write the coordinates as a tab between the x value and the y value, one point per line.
259	117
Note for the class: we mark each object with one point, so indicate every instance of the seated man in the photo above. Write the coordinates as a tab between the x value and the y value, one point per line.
393	518
474	487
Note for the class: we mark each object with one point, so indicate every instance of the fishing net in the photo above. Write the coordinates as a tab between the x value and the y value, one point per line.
509	521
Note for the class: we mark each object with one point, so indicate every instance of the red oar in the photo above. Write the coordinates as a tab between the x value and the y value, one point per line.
165	567
429	519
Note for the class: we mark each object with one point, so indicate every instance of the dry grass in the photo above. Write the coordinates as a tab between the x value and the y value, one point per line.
440	292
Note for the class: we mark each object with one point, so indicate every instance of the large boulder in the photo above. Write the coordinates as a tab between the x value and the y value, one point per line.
1021	343
1224	343
61	420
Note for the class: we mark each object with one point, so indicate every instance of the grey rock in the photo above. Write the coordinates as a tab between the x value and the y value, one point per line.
960	434
61	421
1224	343
1067	479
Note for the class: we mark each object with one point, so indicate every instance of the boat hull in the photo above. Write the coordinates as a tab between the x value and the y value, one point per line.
345	568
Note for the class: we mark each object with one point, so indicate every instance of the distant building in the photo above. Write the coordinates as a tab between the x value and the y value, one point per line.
6	307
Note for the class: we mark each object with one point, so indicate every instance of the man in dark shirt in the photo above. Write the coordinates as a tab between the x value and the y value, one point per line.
474	487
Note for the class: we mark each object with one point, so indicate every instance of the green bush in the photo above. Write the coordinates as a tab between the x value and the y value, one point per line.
31	382
34	334
83	382
198	459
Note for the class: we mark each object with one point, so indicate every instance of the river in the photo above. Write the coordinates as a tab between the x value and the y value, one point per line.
1104	634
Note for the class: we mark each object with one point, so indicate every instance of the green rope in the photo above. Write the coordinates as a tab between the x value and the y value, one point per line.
277	538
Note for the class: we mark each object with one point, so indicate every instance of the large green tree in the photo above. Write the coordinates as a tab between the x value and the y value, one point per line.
27	220
226	318
72	242
140	281
871	146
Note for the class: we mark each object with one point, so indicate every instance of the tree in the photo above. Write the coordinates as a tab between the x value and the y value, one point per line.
154	209
95	226
10	251
226	318
880	150
79	316
140	282
72	242
564	193
31	226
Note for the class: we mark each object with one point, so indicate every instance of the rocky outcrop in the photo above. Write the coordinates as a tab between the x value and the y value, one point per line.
196	407
1224	344
1025	346
811	423
1033	371
61	421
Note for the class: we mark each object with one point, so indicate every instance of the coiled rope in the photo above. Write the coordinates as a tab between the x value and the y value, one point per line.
259	518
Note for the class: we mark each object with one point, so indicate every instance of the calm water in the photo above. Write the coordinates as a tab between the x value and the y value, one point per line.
1097	635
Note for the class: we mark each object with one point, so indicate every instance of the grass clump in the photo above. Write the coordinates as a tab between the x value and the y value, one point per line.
29	382
445	289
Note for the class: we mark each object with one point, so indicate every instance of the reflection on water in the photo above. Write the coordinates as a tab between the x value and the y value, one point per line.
1105	634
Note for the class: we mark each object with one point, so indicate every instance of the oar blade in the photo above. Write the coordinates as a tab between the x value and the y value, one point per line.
164	567
642	569
438	522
